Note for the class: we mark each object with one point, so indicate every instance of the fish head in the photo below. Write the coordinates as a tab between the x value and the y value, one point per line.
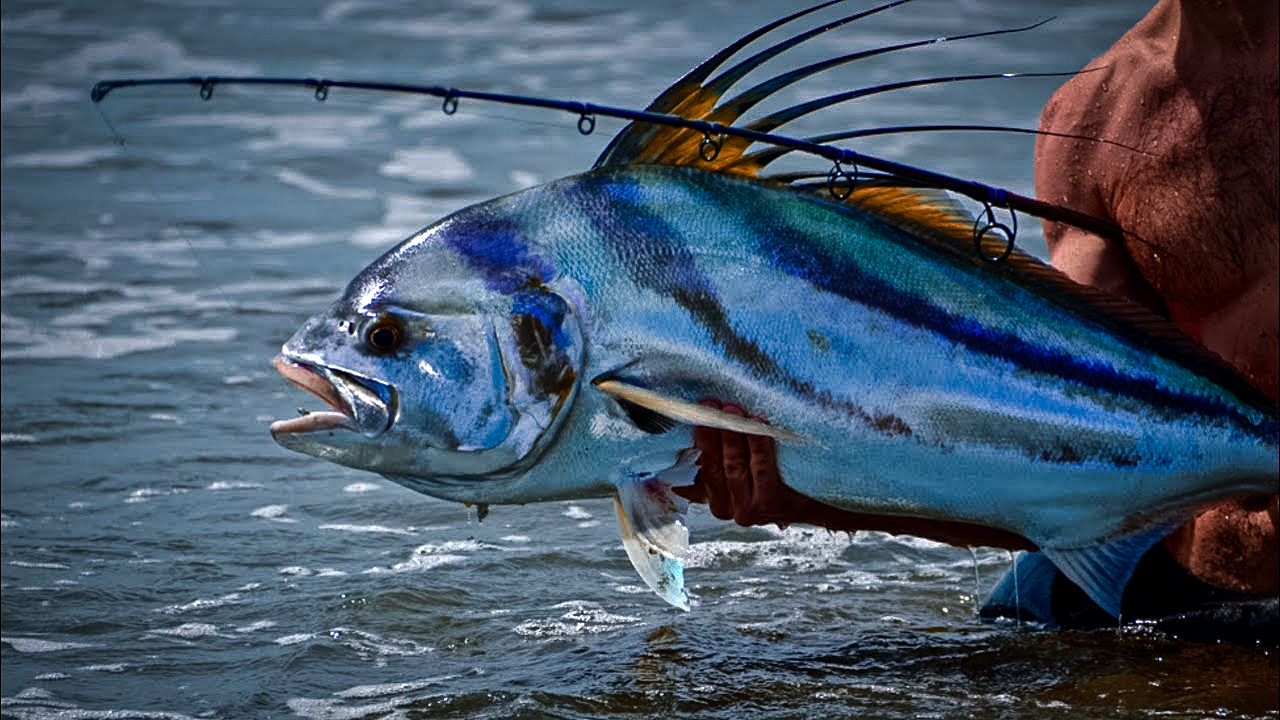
449	359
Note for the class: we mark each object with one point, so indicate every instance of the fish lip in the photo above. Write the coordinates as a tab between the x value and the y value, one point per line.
319	381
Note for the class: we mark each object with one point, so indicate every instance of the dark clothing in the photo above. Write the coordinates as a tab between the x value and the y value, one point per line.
1161	593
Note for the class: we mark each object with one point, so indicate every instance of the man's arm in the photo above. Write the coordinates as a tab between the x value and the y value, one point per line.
738	477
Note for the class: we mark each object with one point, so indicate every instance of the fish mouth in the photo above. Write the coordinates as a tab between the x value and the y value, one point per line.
355	403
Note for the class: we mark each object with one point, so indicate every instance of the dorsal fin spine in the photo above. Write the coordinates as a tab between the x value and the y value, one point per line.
730	77
675	100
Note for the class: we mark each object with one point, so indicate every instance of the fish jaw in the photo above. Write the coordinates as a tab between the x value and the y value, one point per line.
356	405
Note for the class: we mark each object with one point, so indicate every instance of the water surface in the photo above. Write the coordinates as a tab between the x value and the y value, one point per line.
162	558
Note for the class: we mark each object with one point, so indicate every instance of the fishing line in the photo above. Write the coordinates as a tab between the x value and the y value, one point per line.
516	120
1017	597
977	582
116	137
451	97
150	181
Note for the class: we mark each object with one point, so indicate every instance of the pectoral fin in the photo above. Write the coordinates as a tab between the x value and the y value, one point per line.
654	535
683	411
1102	572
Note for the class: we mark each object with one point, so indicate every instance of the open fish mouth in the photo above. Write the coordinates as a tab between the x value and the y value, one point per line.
355	403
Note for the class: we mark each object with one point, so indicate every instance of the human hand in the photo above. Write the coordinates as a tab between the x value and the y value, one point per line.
739	479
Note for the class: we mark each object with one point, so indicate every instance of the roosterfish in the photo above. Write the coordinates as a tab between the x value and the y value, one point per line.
553	344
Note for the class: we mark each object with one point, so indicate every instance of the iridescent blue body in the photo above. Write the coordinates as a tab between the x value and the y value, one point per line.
927	382
550	344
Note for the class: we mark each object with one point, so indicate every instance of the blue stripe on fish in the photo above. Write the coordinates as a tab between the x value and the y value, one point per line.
795	253
669	268
494	248
645	235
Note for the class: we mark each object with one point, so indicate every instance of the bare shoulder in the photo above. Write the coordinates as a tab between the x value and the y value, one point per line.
1109	100
1198	187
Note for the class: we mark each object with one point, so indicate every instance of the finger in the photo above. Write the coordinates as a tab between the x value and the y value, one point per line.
736	461
767	492
737	476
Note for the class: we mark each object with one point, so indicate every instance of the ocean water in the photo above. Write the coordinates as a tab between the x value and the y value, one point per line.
162	558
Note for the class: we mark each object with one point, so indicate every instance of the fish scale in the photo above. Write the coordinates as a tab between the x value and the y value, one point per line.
1028	420
551	343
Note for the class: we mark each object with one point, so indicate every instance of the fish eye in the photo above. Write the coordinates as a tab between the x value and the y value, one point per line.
385	335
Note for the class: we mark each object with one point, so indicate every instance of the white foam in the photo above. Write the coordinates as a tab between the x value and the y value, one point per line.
144	494
363	692
791	549
582	618
54	342
232	485
109	667
39	565
39	645
430	556
65	159
323	131
141	52
35	694
419	563
321	709
294	639
494	25
16	438
273	512
40	704
190	631
40	285
372	645
336	12
524	178
265	238
362	487
202	604
366	529
292	177
86	329
855	579
404	214
428	163
576	512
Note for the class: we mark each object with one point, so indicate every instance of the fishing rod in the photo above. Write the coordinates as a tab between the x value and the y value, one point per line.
713	134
